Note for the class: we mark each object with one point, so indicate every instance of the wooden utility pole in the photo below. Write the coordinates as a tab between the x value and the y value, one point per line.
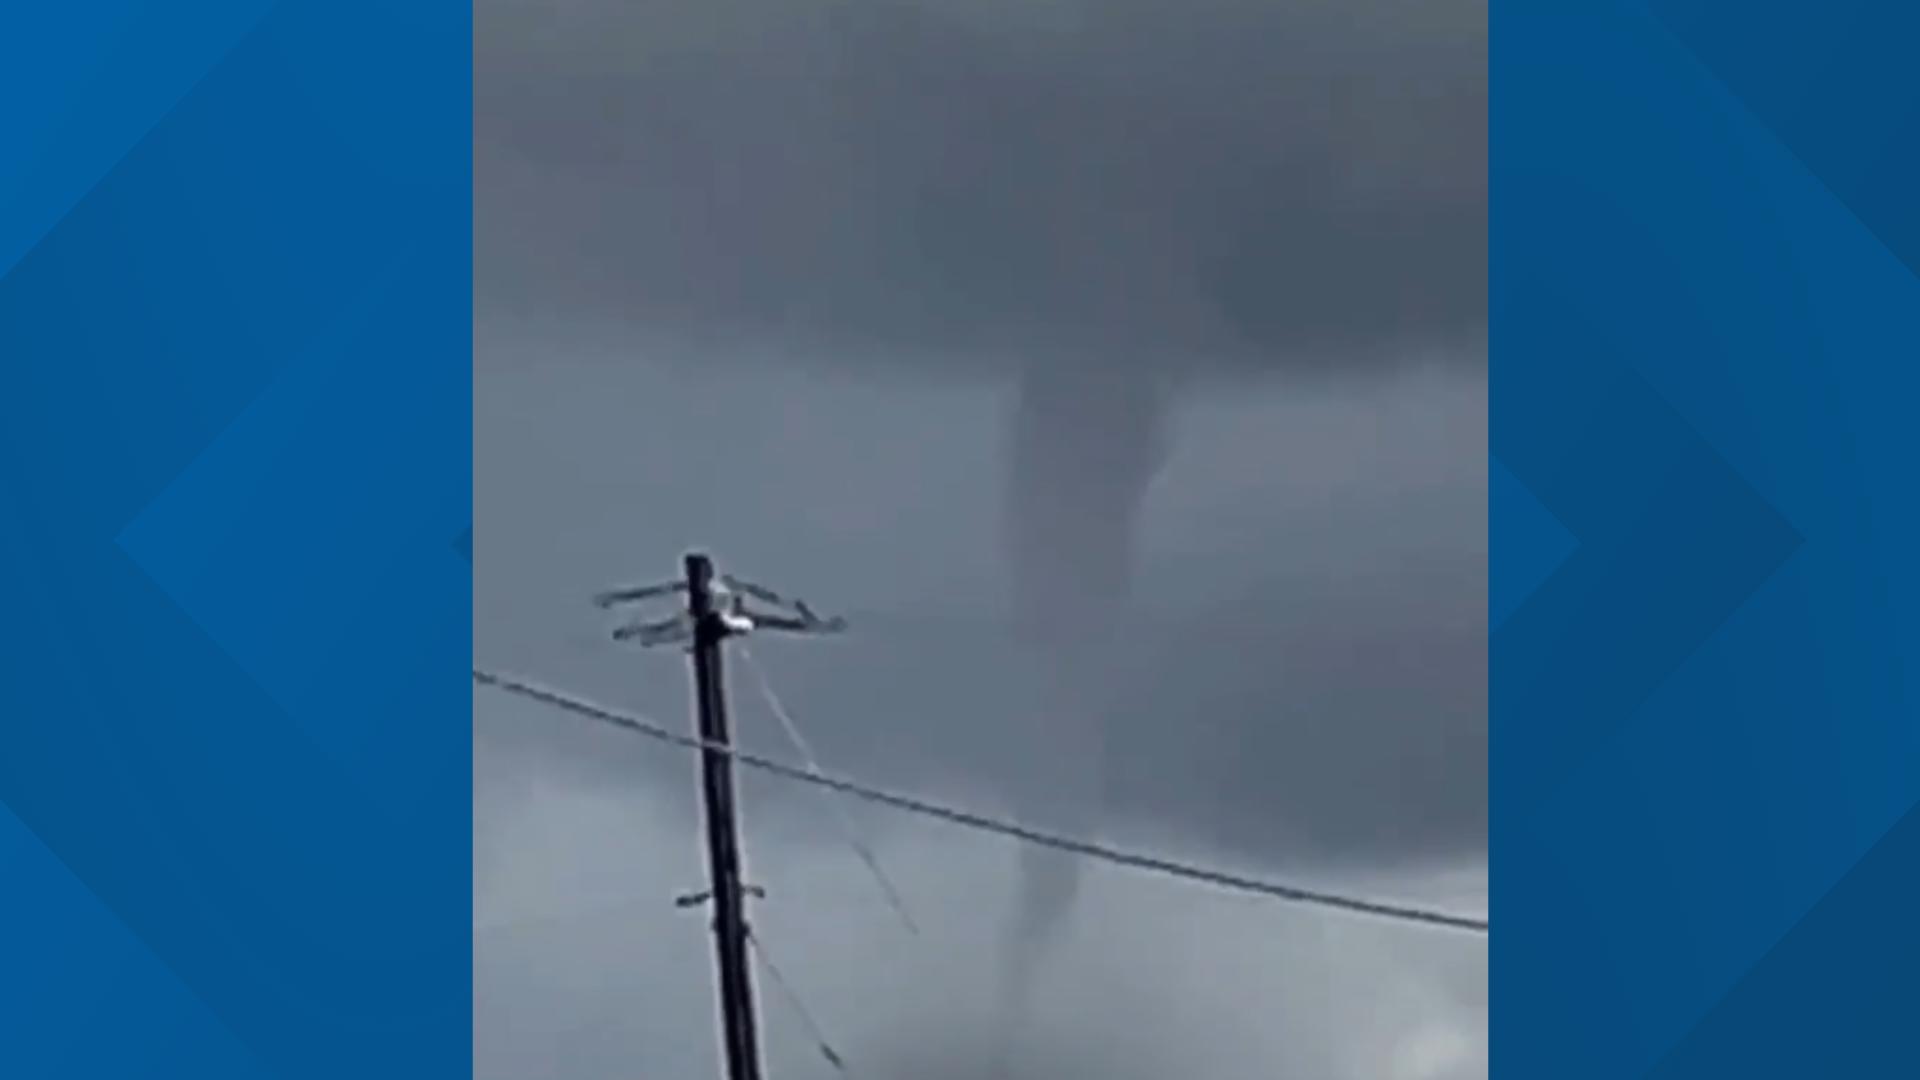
716	610
709	629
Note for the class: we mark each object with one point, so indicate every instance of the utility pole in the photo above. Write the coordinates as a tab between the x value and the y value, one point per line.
716	610
723	847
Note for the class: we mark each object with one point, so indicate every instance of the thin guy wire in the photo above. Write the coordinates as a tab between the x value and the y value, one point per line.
812	763
980	822
798	1006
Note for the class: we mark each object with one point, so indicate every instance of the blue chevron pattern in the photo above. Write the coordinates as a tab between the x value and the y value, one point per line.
234	450
1705	760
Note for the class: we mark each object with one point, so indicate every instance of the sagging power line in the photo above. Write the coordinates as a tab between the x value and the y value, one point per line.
980	822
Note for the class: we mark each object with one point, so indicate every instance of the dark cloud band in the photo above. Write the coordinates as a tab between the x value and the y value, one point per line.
1167	184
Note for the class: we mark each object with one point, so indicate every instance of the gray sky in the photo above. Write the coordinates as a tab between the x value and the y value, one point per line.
981	181
821	242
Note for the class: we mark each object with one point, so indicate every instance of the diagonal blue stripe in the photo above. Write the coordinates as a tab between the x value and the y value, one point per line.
100	75
1796	74
82	996
1834	992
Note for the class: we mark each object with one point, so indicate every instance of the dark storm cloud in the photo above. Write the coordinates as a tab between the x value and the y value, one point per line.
946	188
1174	183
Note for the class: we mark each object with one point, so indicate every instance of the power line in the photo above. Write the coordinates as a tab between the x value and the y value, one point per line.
968	819
801	747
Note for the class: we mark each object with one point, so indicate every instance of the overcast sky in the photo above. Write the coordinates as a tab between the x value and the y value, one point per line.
768	279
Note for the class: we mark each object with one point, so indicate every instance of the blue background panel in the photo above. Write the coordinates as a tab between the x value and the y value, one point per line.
1706	757
235	475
